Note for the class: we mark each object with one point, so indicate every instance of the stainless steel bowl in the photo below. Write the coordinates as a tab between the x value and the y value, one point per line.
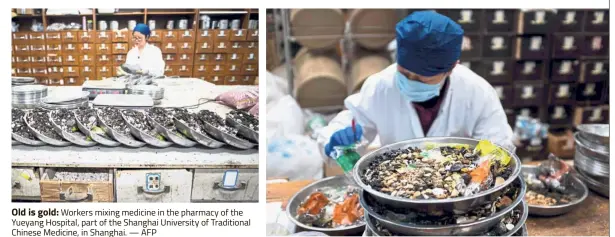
449	205
245	131
295	201
592	150
75	138
27	141
473	228
199	137
593	184
143	136
575	185
42	137
227	138
591	166
596	133
520	227
175	138
104	140
127	140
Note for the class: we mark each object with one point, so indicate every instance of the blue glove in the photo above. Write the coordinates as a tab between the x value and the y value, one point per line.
344	137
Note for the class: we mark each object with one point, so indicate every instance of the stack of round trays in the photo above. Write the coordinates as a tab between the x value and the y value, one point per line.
157	93
20	81
66	102
28	96
591	158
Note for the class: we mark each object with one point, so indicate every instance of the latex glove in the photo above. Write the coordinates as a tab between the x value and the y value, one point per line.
344	137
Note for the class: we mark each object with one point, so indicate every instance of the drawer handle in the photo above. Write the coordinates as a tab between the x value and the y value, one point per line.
239	33
166	189
69	196
240	186
205	33
255	33
222	33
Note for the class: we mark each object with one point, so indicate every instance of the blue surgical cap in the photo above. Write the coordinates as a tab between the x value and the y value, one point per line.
428	43
143	29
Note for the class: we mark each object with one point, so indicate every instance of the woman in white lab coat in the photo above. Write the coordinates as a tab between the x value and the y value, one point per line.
146	57
425	94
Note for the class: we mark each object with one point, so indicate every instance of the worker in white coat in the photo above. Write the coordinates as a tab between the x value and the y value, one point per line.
145	56
427	93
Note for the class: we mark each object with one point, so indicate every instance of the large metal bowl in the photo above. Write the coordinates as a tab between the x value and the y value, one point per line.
175	138
104	140
27	141
299	197
449	205
593	184
596	133
127	140
591	166
473	228
42	137
244	130
199	137
75	138
143	136
227	138
574	184
590	149
519	229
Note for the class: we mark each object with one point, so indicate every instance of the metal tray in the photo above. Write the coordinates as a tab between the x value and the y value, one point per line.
227	138
590	149
44	138
27	141
104	140
577	186
590	165
299	197
466	229
243	130
121	138
175	138
596	133
143	136
593	184
201	138
71	137
449	205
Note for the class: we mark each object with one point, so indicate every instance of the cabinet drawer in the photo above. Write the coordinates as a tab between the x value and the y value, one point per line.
597	21
39	71
87	59
221	35
71	59
202	69
120	48
38	61
536	21
216	79
103	49
55	71
104	59
185	47
562	93
565	70
169	47
89	77
120	36
239	35
87	48
528	94
77	185
70	48
54	80
73	81
529	70
221	47
560	114
596	45
38	50
25	183
185	59
234	68
170	58
496	70
501	20
21	50
170	70
497	45
70	71
21	61
87	37
103	37
54	49
468	19
165	186
20	38
185	35
250	69
219	69
236	47
567	46
591	114
232	80
249	47
53	38
169	36
36	38
70	37
155	36
205	47
234	57
203	58
590	91
219	185
184	70
87	71
23	71
248	80
119	59
532	47
250	58
205	35
597	70
252	35
104	72
568	20
54	60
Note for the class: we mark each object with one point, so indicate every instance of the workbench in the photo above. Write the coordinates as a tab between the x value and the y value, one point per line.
182	174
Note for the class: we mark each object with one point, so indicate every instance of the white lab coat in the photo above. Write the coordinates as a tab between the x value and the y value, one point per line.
150	59
471	108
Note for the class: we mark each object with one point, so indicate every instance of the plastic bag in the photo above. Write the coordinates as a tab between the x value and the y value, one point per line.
277	87
239	99
294	157
254	110
284	117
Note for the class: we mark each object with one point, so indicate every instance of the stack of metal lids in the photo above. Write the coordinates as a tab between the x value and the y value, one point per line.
157	93
28	96
20	81
591	158
66	100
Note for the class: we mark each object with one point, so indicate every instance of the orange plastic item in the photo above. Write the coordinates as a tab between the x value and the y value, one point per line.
481	172
314	204
347	212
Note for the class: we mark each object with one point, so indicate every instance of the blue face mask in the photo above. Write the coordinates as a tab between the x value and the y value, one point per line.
415	91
